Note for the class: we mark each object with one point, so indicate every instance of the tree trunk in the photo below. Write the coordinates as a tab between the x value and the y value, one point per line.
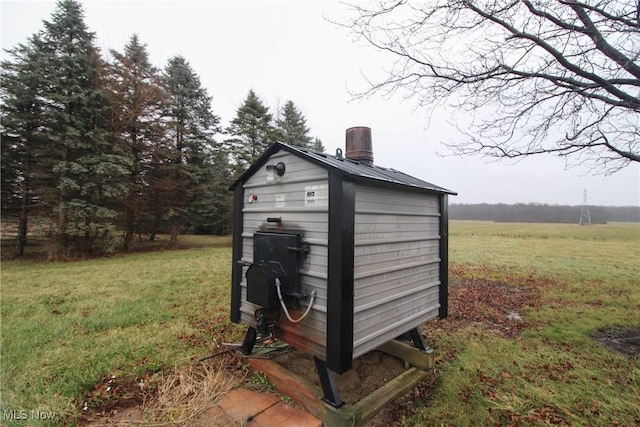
154	229
173	240
23	215
129	229
21	238
58	243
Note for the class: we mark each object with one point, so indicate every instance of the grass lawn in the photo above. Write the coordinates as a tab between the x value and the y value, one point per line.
585	279
68	328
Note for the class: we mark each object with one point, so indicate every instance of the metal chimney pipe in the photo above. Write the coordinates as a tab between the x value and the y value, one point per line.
358	145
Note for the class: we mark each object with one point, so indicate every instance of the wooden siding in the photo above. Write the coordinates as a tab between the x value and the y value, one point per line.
396	265
288	198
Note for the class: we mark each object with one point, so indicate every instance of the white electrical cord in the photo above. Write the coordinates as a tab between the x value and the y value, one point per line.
284	307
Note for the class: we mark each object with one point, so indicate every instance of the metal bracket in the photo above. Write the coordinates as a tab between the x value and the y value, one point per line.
249	341
328	383
418	341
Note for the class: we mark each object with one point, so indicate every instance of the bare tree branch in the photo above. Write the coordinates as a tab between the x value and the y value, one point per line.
602	44
526	77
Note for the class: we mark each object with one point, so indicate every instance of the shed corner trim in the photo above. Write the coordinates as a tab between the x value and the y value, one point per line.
340	282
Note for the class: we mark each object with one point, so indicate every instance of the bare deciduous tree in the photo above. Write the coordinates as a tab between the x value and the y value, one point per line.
530	76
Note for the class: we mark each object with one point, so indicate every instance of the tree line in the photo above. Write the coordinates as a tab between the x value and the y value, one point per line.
98	150
535	212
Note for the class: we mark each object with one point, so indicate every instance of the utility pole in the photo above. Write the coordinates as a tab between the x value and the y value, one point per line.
585	215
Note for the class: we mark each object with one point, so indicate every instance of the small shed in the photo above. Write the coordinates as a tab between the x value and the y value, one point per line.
335	255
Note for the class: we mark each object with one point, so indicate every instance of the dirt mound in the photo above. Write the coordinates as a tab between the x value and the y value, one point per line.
369	372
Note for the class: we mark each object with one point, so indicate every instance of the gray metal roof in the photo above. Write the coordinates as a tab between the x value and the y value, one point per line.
348	166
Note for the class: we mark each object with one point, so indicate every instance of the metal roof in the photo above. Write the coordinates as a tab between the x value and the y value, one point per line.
348	166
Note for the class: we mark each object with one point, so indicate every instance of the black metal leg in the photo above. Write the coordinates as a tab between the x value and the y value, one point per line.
328	383
418	341
249	341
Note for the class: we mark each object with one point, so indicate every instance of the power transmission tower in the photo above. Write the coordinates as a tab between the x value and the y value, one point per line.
585	215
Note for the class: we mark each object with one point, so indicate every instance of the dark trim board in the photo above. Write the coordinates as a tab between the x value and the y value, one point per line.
342	201
444	256
236	255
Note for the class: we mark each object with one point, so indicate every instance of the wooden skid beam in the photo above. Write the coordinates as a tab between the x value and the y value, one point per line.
415	357
373	403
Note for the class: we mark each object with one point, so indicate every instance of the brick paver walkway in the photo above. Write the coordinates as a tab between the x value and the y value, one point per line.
253	409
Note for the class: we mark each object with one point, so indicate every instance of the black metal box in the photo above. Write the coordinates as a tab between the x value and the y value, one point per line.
275	256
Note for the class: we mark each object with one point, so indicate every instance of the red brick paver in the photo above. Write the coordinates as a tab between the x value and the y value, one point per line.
253	409
282	414
242	404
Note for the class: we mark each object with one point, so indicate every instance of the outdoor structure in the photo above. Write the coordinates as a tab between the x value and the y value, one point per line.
336	256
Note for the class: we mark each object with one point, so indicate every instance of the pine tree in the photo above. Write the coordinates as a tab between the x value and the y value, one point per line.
139	103
318	146
293	126
84	171
211	211
251	131
183	176
21	109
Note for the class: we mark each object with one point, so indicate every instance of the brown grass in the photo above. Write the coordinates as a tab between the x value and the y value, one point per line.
185	393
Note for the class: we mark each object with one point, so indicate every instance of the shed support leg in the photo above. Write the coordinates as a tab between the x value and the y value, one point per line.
249	341
418	341
328	383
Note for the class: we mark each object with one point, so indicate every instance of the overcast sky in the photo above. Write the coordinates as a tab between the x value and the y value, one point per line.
289	50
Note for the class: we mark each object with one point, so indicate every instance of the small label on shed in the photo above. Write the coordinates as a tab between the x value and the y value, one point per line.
280	201
316	195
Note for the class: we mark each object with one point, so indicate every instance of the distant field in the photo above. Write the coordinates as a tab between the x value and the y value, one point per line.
599	252
69	327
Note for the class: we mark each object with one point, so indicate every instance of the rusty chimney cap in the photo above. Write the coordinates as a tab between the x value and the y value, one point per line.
358	145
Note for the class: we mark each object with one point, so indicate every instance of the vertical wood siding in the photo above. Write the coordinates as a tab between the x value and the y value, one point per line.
397	264
287	198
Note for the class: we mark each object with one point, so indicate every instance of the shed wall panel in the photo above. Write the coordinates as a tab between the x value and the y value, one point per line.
297	169
386	201
288	198
396	264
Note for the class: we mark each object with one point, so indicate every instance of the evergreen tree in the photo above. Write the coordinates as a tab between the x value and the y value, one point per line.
293	126
318	146
183	176
84	171
251	131
21	109
139	104
211	211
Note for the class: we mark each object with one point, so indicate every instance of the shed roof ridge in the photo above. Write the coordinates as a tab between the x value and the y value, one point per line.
348	166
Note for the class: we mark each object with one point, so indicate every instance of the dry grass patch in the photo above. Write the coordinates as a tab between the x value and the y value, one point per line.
175	398
187	392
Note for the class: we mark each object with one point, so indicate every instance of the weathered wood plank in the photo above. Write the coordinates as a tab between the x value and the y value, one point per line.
420	359
377	400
